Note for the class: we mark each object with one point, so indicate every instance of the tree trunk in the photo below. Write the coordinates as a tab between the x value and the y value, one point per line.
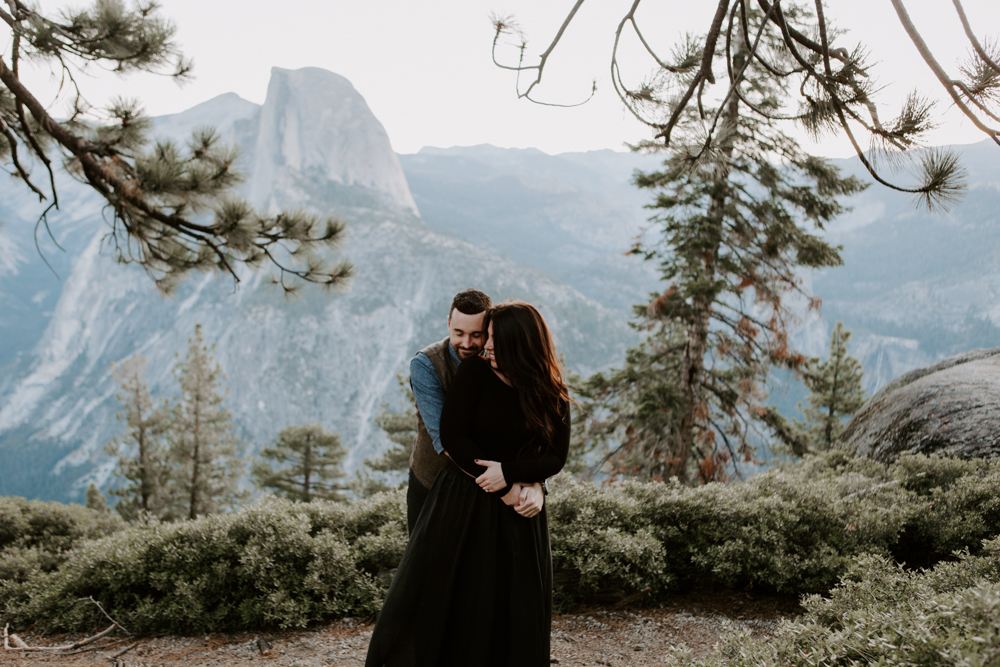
308	467
697	329
144	481
193	512
692	371
828	429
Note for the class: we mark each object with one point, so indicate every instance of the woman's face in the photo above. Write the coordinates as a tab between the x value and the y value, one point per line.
488	348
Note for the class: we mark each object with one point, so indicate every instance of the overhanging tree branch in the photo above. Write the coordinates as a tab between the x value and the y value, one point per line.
942	76
152	194
832	81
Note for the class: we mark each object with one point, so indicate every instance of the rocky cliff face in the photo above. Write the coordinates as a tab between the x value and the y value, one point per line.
320	358
315	129
917	286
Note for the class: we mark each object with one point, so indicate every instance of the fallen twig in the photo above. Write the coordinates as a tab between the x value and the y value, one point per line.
122	652
106	615
18	642
68	649
102	647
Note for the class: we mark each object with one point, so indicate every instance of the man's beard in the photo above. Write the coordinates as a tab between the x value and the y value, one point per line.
464	353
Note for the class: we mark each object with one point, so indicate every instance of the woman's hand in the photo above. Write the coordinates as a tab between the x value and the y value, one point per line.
531	500
513	497
492	480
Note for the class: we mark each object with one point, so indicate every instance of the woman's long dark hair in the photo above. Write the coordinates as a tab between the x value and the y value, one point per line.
525	354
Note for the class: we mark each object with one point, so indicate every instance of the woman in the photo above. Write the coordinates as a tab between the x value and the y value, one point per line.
474	587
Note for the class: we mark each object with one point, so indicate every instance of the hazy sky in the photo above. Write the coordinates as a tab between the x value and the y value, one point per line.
425	69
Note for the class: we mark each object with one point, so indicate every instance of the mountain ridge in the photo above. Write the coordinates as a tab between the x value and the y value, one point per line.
915	287
318	358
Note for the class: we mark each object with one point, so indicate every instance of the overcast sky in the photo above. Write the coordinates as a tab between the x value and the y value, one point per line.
425	69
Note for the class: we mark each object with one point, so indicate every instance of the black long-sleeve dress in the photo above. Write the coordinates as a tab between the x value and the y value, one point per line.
474	587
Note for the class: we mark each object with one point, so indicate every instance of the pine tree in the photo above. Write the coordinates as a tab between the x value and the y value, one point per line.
95	499
835	392
157	195
625	418
401	427
308	461
734	225
203	450
140	448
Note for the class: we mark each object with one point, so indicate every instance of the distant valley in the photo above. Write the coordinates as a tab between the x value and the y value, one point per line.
915	286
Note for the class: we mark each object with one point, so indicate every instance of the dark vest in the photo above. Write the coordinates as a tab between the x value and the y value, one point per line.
424	461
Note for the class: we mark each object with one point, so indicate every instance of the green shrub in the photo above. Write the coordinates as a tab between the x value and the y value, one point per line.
602	546
18	565
884	614
778	531
957	501
793	530
790	530
37	536
274	564
49	526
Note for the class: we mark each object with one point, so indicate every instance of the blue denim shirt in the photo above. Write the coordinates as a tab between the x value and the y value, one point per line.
429	394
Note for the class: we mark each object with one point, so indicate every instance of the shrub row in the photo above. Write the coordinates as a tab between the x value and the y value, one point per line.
792	530
38	536
886	615
51	526
283	564
274	564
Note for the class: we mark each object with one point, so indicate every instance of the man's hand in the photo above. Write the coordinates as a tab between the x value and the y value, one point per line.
513	497
531	500
492	480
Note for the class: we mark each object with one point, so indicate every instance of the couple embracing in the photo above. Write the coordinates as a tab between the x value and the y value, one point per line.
474	587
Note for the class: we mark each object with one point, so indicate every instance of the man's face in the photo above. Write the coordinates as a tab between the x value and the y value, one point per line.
467	334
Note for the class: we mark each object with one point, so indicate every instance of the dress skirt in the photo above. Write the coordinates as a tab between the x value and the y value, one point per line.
474	587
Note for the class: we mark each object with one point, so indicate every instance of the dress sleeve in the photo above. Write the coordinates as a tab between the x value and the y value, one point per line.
460	404
549	463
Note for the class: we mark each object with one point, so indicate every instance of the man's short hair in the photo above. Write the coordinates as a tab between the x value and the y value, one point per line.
470	302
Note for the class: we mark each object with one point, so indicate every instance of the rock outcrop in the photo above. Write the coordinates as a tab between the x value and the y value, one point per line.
316	130
952	406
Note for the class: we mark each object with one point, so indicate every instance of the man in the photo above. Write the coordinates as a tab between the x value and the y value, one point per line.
431	372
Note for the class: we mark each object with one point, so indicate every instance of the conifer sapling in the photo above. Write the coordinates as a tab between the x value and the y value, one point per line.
835	392
140	448
303	464
204	452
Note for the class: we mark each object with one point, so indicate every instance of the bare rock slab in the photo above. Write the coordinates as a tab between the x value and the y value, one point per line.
952	406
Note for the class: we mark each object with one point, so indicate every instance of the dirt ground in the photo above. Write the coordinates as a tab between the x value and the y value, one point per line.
601	636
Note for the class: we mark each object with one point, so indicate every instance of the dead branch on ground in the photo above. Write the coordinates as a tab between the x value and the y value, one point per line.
11	642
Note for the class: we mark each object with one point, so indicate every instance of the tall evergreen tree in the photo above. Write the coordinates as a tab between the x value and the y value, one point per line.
401	427
304	463
835	392
734	224
95	499
140	449
203	450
